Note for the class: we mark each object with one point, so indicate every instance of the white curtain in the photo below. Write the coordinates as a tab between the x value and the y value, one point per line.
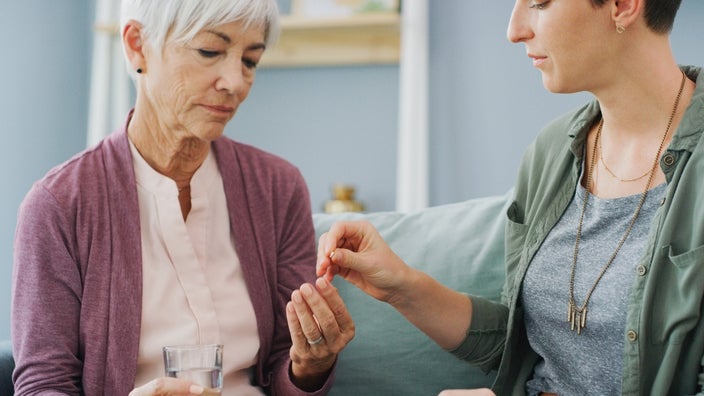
412	164
110	85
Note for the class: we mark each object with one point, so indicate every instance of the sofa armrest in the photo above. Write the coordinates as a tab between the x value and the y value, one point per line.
7	365
462	246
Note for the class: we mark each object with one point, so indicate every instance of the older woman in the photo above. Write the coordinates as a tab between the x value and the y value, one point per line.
169	233
605	237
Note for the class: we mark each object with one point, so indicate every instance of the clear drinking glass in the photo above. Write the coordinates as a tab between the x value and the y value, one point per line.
201	364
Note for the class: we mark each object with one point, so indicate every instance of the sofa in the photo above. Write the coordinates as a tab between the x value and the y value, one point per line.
461	245
7	364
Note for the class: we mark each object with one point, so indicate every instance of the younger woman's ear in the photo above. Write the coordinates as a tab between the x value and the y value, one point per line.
625	12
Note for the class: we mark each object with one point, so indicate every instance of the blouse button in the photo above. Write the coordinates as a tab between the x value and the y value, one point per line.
668	159
632	335
641	270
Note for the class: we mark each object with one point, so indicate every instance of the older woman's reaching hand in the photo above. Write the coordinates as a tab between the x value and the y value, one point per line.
320	327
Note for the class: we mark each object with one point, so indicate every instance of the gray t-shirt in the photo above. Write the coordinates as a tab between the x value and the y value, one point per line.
589	363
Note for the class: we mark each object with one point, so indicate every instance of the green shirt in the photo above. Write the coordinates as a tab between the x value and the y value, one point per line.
664	336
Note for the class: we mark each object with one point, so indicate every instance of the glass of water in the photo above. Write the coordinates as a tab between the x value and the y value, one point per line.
201	364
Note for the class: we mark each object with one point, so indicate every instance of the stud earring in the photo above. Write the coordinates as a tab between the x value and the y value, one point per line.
139	70
620	28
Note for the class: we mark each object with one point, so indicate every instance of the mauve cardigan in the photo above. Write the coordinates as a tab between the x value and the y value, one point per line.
77	276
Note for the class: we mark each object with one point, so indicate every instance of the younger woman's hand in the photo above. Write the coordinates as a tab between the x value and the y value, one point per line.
356	251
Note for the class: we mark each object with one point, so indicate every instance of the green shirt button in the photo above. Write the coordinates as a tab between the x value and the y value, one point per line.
641	270
632	335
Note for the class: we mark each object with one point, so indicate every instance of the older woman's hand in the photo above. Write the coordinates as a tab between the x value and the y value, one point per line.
168	387
320	327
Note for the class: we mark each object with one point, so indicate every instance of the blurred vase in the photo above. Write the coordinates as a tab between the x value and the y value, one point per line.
343	200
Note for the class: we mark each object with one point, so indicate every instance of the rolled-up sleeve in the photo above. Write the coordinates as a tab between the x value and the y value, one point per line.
486	337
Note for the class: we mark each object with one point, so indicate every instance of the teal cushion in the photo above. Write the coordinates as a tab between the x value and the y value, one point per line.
462	246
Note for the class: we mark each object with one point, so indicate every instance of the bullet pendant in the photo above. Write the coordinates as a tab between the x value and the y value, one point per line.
573	321
577	318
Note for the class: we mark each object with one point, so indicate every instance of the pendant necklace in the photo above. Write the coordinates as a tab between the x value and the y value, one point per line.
577	315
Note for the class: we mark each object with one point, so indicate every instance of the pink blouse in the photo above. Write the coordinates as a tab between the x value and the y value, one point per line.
194	292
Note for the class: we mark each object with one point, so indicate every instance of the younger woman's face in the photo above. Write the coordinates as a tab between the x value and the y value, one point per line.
567	40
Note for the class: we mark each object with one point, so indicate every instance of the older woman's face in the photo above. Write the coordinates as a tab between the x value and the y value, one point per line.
196	88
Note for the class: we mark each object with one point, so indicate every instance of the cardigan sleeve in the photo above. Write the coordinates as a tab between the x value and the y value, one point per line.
46	293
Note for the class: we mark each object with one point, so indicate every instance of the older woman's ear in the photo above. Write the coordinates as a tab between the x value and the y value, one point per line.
133	44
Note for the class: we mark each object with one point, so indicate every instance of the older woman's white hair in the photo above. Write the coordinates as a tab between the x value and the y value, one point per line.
181	20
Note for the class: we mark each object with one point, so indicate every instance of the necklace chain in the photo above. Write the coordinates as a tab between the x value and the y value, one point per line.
577	316
603	162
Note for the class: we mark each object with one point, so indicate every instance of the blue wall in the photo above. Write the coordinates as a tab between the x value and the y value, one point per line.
336	124
44	75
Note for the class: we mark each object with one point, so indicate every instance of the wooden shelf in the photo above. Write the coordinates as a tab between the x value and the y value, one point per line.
372	38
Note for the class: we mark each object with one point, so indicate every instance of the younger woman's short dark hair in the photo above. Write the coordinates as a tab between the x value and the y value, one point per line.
659	14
